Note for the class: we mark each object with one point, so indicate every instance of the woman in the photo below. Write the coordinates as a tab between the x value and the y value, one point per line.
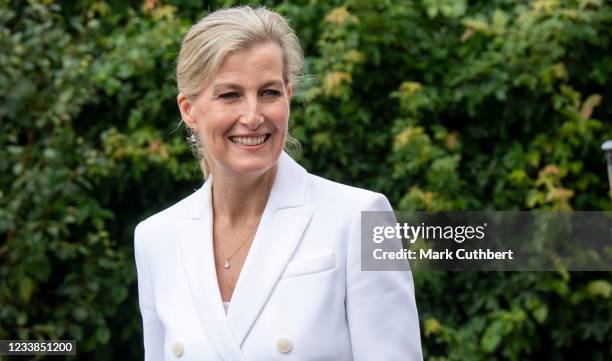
277	247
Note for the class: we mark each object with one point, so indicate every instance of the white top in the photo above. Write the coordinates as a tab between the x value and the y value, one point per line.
226	306
306	253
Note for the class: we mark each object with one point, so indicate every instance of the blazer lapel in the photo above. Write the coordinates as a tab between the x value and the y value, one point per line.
283	222
197	253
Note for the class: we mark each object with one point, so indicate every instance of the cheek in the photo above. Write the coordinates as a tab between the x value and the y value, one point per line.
215	123
280	117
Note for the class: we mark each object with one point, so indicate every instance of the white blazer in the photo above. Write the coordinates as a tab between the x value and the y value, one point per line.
301	294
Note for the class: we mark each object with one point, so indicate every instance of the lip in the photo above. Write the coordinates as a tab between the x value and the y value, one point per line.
249	135
250	148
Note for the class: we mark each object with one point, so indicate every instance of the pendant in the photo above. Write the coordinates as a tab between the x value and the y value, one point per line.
226	264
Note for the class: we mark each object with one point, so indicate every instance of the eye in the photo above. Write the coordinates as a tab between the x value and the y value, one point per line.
270	93
229	96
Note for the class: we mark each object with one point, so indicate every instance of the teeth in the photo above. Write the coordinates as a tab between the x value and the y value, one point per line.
248	140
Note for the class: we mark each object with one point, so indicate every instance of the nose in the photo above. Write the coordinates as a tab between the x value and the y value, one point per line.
252	116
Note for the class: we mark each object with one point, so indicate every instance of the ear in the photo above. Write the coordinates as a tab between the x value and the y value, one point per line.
289	91
185	107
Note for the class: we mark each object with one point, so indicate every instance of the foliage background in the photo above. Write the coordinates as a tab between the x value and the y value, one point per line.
440	104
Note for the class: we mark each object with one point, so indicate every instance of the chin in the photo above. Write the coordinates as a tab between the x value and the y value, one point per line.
253	166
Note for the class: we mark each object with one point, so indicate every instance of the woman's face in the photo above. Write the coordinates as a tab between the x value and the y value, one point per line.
242	116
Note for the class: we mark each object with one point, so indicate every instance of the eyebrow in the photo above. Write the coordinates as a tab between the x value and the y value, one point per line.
234	86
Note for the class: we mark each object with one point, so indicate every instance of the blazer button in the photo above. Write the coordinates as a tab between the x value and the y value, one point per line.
283	345
177	349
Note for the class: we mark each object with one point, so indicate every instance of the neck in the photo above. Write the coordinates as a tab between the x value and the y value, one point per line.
238	198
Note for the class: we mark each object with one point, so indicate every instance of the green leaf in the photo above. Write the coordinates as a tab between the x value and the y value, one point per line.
80	313
601	288
26	287
492	336
540	313
103	334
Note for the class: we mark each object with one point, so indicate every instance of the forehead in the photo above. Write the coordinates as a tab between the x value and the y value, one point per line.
262	62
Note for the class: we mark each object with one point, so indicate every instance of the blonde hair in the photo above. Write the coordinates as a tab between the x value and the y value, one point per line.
222	33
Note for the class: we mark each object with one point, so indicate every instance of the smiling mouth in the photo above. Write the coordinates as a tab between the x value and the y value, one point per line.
249	141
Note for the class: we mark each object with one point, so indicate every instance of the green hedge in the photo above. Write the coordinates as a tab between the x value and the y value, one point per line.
440	104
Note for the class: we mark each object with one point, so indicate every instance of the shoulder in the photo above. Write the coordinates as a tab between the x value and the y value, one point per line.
336	195
296	186
165	220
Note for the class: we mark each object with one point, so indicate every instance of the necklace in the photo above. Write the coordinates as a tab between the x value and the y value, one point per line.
226	263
